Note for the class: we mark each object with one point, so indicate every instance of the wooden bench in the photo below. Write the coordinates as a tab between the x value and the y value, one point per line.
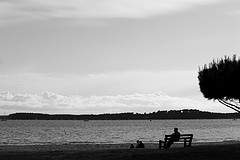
184	138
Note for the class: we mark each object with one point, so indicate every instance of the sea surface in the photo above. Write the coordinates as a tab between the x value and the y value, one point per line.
22	132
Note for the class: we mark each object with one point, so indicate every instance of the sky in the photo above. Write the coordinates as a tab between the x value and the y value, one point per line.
111	56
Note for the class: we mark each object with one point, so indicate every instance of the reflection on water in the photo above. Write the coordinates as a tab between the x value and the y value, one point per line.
118	131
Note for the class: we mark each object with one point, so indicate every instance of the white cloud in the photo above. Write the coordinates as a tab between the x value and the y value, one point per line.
74	104
113	83
24	10
122	86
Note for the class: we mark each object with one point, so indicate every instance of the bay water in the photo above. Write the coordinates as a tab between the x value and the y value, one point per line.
22	132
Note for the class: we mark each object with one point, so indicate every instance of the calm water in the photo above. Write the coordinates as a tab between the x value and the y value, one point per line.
119	131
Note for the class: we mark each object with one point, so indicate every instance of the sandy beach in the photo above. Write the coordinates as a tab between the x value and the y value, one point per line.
211	151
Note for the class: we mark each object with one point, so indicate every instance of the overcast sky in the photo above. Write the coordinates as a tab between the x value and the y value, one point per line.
108	56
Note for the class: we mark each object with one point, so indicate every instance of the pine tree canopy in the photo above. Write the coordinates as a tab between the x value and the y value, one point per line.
220	80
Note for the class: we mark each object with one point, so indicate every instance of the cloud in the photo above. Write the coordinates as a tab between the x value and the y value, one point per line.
54	103
24	10
109	83
114	92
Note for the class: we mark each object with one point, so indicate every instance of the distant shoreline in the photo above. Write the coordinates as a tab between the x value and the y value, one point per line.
159	115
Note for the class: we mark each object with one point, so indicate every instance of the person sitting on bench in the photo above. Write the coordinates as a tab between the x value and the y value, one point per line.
174	138
140	144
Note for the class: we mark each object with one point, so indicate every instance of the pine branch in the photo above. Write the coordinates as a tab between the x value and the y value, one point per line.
229	105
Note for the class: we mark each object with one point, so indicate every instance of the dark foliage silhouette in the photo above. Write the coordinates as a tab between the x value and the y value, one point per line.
220	80
172	114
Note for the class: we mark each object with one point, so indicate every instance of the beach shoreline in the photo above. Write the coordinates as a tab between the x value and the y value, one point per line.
209	150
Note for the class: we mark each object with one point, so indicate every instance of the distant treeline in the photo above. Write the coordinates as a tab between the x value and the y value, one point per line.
172	114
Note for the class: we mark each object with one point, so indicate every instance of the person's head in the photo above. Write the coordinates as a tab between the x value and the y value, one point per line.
175	129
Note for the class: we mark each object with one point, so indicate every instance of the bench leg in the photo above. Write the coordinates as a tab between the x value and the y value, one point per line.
190	143
160	144
165	144
187	145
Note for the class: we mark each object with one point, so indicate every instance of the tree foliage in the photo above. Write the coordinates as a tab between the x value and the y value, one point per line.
220	80
172	114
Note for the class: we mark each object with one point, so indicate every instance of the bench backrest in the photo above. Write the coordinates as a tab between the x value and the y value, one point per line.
182	136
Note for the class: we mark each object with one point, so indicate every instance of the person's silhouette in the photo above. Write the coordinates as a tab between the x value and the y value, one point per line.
140	144
131	146
174	138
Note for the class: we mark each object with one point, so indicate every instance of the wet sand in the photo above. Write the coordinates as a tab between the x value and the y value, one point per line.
206	151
